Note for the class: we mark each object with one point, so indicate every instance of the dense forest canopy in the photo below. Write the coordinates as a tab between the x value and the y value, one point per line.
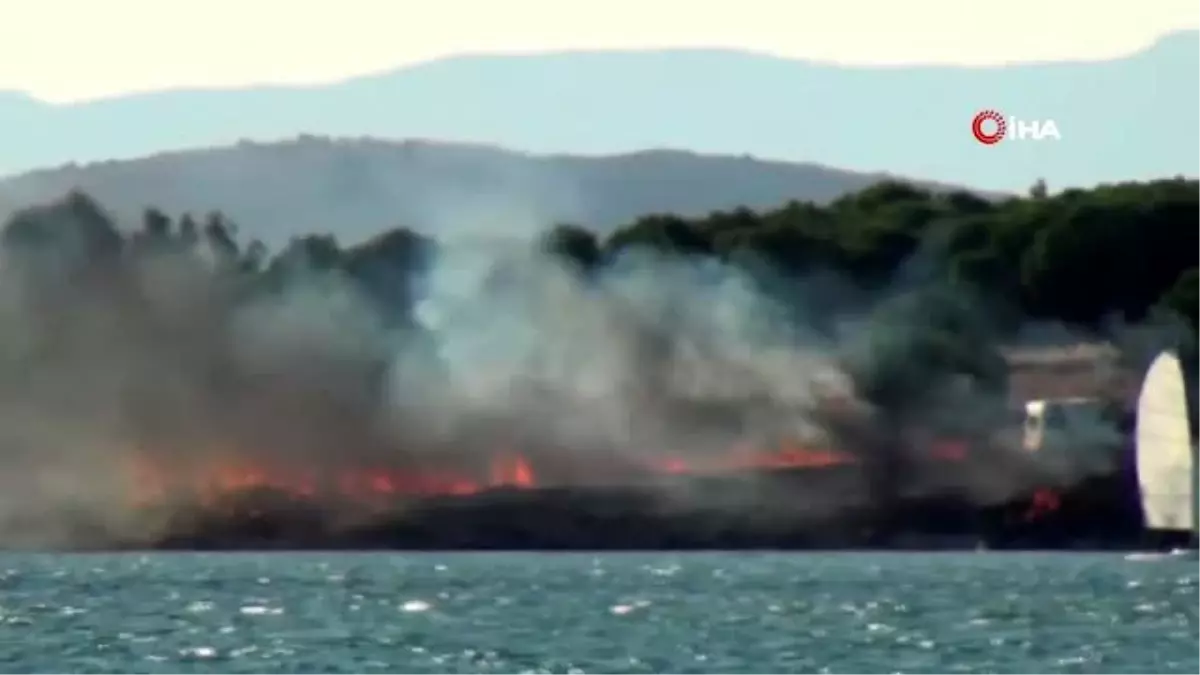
1118	254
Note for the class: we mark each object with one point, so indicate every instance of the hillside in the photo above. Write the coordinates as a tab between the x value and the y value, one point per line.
1129	118
356	188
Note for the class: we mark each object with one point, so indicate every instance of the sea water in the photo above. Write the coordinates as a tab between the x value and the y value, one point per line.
730	612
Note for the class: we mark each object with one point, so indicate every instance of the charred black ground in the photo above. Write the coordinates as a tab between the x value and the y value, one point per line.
1098	513
763	510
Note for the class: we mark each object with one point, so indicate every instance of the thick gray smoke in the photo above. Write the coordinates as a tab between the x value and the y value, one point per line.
616	363
108	362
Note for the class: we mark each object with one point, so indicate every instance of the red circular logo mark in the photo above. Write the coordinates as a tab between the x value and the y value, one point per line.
983	136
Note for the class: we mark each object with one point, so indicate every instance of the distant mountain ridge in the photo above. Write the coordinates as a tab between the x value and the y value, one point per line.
355	188
1129	118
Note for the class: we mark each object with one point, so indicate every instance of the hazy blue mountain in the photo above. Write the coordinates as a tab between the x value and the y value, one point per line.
1128	118
355	188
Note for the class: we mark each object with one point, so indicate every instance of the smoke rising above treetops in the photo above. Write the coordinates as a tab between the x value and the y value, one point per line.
840	326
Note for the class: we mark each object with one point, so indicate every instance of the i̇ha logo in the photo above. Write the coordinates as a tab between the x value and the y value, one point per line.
990	127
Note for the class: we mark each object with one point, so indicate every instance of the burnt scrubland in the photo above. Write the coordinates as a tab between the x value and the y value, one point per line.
809	376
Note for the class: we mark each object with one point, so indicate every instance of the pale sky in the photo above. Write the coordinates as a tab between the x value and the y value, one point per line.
67	50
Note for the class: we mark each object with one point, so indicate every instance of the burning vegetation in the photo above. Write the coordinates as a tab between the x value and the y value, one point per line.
170	370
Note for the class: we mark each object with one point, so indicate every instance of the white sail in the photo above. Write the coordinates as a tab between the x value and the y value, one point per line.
1165	462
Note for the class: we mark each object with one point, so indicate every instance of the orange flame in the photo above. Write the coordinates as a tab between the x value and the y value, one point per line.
221	476
1043	503
207	483
512	471
788	456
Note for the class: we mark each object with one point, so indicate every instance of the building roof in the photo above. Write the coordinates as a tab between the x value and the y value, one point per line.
1077	353
1083	370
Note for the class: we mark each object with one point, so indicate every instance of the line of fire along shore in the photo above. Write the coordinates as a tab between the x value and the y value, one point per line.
1051	390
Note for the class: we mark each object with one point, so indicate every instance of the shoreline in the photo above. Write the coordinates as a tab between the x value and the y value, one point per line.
788	512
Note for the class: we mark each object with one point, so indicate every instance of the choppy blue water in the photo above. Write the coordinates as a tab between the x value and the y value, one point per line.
597	613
